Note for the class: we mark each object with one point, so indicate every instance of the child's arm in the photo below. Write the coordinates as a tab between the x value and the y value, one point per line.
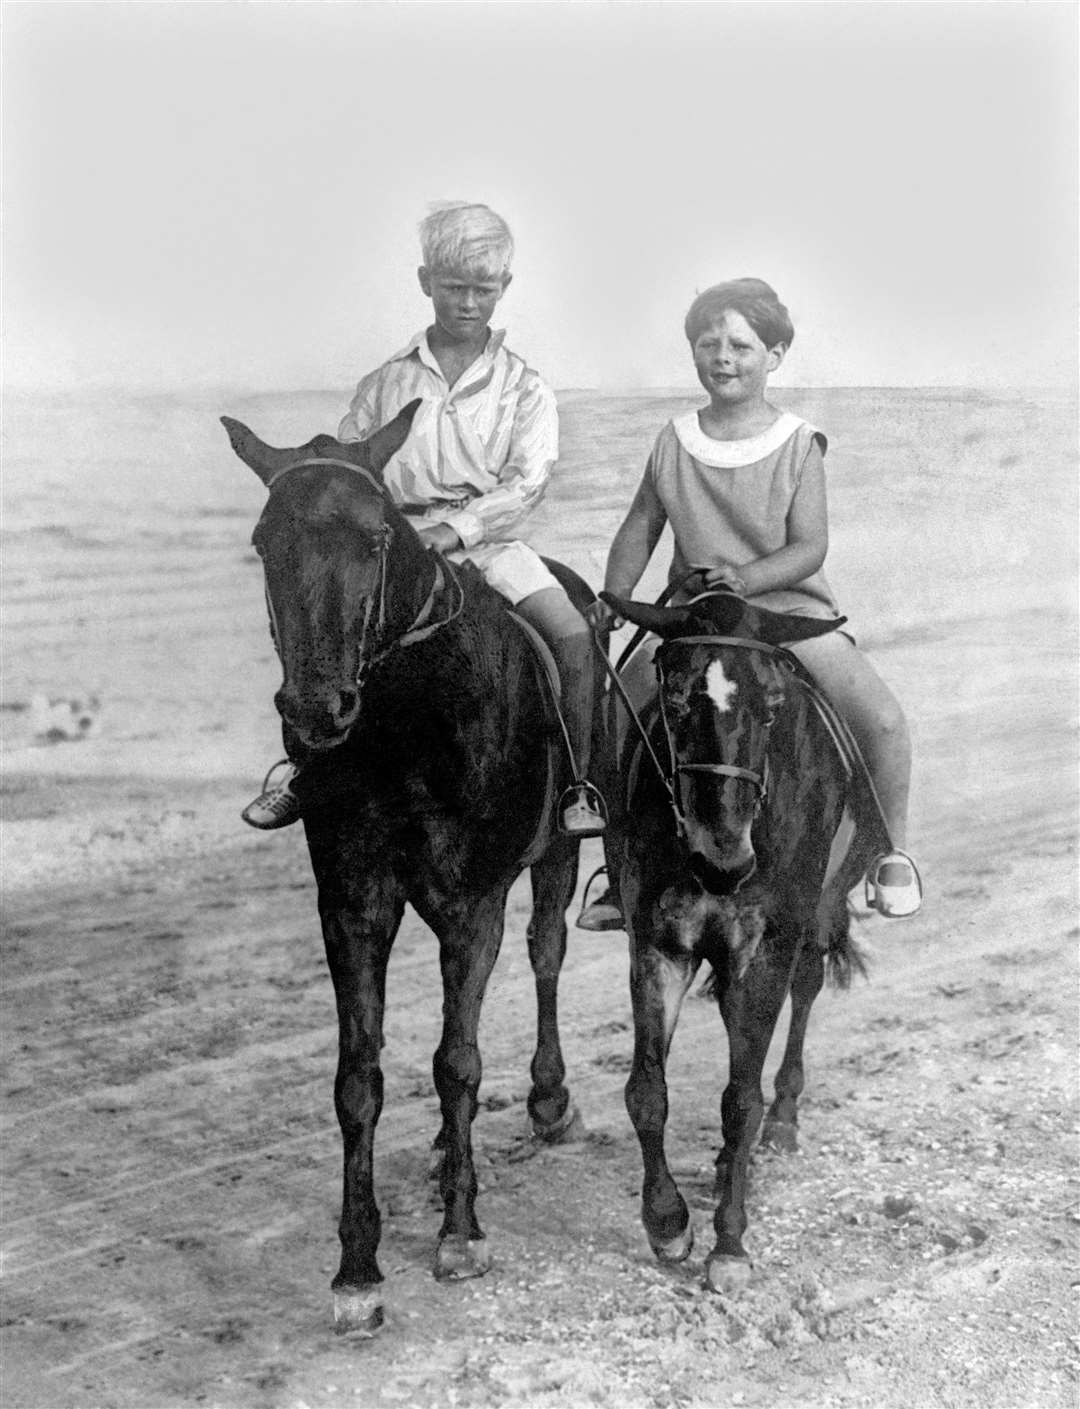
635	540
807	540
524	476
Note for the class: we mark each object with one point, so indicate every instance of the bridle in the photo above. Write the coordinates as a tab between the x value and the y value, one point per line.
673	774
422	625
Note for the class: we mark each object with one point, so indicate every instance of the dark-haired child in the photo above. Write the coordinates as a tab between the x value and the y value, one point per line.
742	485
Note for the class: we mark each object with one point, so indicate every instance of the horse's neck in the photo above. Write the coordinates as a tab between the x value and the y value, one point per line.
463	613
411	574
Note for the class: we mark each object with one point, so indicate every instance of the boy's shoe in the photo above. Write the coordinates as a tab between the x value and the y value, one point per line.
276	806
602	913
894	886
581	811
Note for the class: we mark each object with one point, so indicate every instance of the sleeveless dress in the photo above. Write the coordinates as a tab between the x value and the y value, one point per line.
728	501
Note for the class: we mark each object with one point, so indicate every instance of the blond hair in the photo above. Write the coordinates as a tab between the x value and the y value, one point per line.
465	238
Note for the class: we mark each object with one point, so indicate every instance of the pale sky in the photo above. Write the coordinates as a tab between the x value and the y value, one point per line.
198	194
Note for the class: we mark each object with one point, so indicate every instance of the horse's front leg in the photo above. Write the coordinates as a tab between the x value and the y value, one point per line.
553	1114
469	939
780	1130
360	918
750	1008
662	968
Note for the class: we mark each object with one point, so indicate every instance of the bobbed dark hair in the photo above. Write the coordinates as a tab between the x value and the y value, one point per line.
753	298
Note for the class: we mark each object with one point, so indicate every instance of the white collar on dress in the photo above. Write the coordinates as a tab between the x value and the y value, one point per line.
730	454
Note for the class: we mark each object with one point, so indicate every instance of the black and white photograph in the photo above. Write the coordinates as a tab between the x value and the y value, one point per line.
539	666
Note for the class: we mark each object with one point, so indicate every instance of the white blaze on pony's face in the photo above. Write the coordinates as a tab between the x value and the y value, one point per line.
719	688
709	710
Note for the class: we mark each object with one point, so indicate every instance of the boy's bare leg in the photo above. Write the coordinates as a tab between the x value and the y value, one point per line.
567	633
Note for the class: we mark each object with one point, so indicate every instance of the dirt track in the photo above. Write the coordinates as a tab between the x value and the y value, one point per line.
172	1159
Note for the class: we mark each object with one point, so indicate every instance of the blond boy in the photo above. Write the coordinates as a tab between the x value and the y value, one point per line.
478	459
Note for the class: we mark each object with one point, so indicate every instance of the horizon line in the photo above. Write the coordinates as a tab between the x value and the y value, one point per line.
204	389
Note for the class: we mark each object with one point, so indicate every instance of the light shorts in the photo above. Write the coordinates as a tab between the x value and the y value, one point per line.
514	569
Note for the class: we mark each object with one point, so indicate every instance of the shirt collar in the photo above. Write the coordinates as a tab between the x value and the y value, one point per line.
417	347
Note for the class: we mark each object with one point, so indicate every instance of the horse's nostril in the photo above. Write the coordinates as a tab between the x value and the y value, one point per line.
347	702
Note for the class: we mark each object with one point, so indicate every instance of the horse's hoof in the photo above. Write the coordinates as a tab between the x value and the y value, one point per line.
678	1249
779	1135
358	1312
459	1257
726	1275
565	1131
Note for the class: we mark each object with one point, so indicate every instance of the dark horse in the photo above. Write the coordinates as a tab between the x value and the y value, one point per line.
423	721
732	808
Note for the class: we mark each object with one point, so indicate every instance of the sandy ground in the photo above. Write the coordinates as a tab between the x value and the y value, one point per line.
171	1155
171	1159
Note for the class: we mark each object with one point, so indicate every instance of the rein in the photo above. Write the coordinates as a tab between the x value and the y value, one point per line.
422	626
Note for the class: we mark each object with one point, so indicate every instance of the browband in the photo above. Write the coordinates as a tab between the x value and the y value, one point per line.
341	464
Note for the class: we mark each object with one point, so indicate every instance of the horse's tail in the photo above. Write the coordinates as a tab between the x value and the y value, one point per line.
845	959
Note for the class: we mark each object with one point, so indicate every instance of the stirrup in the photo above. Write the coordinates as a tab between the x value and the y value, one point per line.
582	810
894	886
603	913
277	805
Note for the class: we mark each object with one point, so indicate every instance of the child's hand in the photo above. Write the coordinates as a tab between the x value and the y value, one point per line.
724	576
599	615
441	537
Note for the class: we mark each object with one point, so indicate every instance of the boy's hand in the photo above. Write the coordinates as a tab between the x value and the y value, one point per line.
439	536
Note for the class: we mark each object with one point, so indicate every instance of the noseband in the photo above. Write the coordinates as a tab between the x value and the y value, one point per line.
422	626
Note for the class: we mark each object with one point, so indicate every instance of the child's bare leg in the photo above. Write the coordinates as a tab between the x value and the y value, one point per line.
874	715
639	673
639	680
567	633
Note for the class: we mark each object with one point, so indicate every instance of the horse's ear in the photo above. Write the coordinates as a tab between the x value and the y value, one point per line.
385	443
664	621
777	628
255	453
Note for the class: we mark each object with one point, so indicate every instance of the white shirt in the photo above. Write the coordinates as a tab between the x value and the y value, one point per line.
480	453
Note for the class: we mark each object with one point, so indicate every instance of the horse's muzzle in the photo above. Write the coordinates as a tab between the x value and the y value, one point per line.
320	725
722	880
